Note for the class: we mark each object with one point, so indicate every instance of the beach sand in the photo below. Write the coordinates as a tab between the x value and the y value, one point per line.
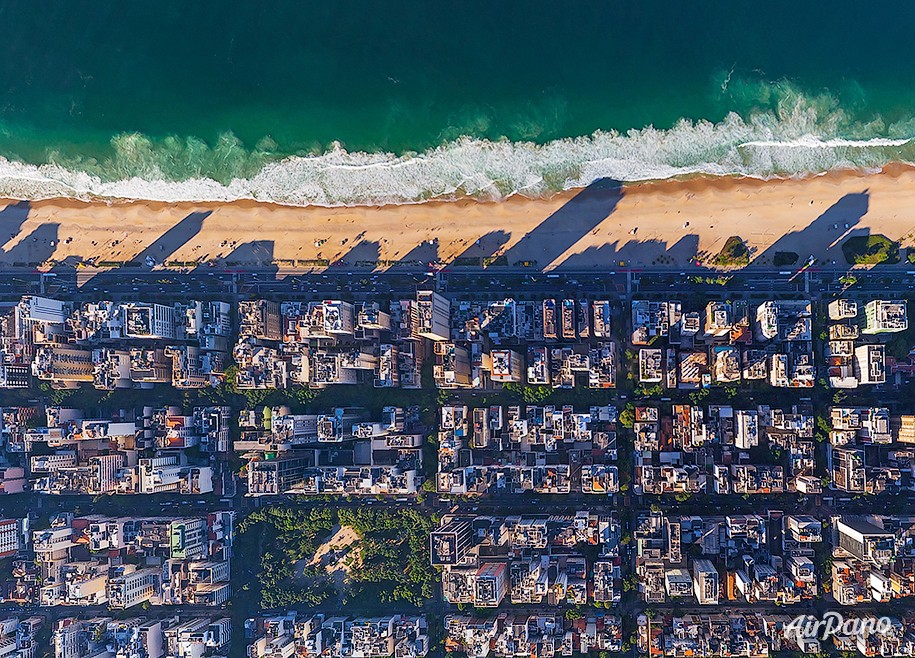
664	224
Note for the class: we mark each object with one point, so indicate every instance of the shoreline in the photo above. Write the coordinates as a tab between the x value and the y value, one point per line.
658	223
673	183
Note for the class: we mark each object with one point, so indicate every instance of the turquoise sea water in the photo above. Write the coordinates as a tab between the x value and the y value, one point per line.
308	102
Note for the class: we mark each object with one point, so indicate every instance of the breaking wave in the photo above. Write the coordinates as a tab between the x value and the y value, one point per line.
796	138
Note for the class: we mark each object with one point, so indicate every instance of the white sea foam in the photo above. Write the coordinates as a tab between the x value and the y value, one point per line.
795	140
812	142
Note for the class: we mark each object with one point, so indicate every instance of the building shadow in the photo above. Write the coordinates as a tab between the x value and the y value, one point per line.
635	253
66	273
174	238
602	256
257	253
12	217
824	236
685	249
565	227
422	255
34	249
486	246
258	256
363	254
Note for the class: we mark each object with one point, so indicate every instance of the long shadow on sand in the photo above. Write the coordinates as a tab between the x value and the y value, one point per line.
33	249
558	232
486	246
256	252
422	255
12	217
363	254
835	225
633	253
174	238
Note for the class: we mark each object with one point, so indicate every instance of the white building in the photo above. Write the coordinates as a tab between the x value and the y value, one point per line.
14	536
885	317
705	582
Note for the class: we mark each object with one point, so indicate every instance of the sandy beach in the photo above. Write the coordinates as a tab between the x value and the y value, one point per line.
667	224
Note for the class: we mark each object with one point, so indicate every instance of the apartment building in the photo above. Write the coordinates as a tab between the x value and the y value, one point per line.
14	536
532	559
173	561
706	586
882	316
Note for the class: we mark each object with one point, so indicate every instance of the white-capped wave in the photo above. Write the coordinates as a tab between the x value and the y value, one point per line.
796	140
813	142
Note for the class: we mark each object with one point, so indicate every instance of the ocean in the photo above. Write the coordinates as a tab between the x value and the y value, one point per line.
367	102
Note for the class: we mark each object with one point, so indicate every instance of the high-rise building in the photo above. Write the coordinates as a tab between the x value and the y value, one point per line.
717	319
452	367
187	538
870	364
14	535
451	542
705	582
275	476
506	366
260	319
884	317
149	321
133	588
864	540
490	585
64	367
432	318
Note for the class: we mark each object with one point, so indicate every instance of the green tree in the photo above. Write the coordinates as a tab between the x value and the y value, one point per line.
627	417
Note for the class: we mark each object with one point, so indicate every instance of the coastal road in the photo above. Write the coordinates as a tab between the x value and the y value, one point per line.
231	285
